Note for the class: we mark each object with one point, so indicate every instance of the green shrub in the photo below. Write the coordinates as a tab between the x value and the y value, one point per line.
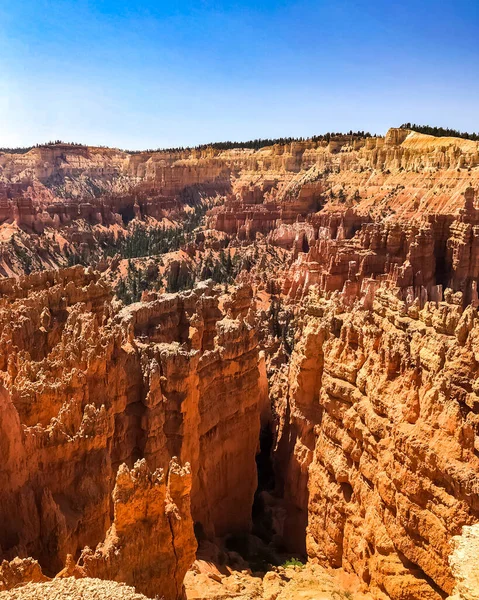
293	562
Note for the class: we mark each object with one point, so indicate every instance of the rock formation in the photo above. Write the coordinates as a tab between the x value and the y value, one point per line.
18	572
464	564
377	444
53	186
309	582
347	290
151	543
87	388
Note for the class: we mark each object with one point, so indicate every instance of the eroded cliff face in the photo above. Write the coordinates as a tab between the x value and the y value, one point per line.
380	420
87	388
151	543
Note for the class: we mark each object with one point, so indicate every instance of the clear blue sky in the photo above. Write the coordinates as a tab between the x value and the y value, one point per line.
147	74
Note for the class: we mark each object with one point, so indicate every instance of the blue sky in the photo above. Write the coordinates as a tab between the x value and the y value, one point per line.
148	74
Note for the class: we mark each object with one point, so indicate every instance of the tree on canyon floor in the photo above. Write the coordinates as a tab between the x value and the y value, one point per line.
130	288
143	240
23	256
281	323
293	562
181	280
138	240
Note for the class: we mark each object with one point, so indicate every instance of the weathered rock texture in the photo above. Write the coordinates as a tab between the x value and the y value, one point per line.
20	571
151	543
465	565
55	187
378	440
79	589
420	256
310	582
86	388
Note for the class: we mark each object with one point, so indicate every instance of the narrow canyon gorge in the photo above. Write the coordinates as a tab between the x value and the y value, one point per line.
241	373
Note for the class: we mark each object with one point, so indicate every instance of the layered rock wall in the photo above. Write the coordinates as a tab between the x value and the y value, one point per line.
421	257
51	186
376	451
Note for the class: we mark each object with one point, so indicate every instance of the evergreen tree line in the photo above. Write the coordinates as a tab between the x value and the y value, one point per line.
23	256
223	268
255	144
76	258
25	149
17	150
141	240
259	143
440	131
145	241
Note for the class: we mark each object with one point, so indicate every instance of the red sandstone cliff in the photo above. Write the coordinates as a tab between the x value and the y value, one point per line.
151	543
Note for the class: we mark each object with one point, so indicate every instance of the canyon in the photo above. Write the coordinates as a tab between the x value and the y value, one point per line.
241	373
